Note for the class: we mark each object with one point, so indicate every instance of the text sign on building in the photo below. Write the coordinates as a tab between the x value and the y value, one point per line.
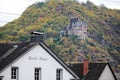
37	58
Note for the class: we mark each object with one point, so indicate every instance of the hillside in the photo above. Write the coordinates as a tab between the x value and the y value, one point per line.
103	30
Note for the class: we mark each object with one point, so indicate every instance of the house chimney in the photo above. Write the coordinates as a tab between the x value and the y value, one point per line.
85	67
36	36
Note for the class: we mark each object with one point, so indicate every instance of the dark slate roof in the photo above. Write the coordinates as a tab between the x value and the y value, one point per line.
73	20
95	70
11	51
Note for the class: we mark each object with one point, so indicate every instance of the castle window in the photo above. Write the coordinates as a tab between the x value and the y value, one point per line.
84	32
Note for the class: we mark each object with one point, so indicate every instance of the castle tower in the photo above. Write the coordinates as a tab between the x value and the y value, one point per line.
77	28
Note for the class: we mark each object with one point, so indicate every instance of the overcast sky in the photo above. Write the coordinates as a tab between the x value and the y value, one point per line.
12	9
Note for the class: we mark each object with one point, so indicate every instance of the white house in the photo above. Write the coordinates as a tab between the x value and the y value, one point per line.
32	61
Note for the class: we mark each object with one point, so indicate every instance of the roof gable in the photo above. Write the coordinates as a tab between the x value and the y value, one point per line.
58	59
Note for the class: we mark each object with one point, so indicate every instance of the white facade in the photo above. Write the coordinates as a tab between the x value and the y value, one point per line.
107	74
37	57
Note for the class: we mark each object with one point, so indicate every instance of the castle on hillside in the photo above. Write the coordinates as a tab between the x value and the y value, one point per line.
77	28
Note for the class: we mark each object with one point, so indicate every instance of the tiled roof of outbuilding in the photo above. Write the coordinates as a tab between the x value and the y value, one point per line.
94	71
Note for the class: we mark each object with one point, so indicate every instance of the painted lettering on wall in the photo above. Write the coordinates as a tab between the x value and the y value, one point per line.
37	58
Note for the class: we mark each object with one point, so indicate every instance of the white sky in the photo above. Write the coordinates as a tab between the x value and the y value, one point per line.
12	9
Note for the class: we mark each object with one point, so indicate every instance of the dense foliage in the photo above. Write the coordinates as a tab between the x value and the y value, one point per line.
102	43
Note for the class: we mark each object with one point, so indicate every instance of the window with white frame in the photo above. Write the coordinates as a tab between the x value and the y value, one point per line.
37	73
14	73
59	74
